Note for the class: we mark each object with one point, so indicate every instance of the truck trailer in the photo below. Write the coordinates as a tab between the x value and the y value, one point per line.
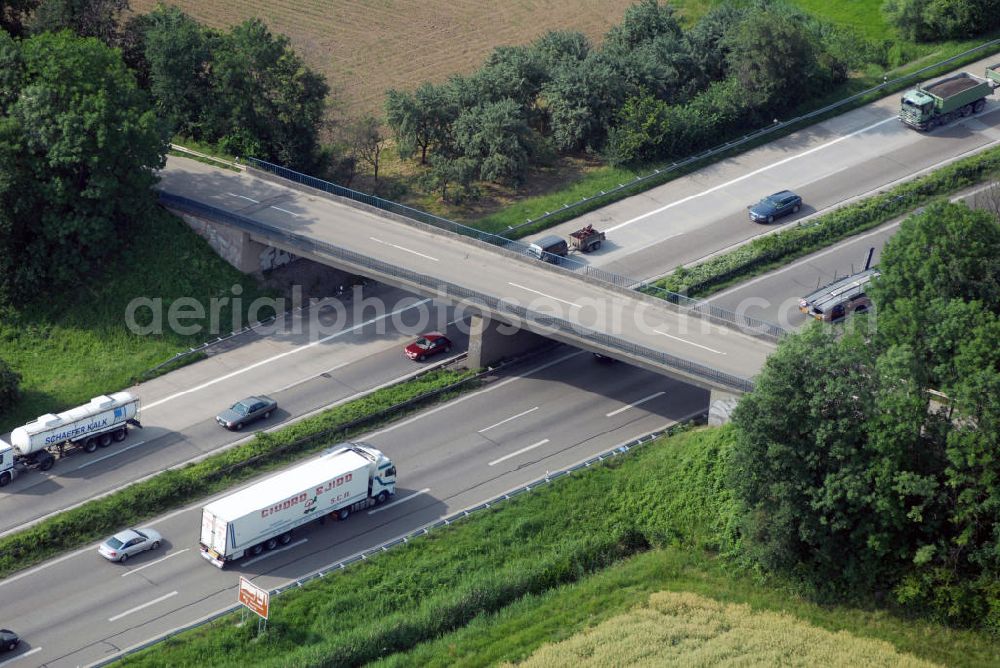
96	424
938	103
345	479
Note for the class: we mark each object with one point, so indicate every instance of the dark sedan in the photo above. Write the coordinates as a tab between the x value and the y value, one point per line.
246	410
8	640
775	206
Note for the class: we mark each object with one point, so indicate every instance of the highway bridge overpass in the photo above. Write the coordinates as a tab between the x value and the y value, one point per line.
496	284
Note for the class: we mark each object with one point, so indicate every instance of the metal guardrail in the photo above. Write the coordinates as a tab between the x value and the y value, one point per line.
746	323
339	566
449	290
752	136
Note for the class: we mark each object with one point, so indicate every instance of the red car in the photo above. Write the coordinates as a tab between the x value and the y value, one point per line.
429	344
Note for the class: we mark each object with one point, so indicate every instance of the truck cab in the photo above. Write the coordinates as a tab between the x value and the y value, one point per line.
383	477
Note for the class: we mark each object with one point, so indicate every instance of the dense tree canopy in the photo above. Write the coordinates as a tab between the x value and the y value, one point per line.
78	147
870	459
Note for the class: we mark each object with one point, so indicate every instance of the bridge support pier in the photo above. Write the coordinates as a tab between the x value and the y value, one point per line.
493	340
720	407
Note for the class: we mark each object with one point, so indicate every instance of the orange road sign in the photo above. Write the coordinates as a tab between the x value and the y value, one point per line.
254	597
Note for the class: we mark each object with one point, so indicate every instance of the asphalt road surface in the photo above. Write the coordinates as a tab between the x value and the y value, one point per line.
513	431
542	421
828	164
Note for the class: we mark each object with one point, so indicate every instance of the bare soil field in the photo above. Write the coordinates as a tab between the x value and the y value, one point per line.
365	47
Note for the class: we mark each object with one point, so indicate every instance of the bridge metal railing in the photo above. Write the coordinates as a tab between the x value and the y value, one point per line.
448	290
745	323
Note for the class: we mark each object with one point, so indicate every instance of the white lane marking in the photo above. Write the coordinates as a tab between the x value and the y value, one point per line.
839	247
117	452
519	452
291	213
341	366
512	417
466	397
690	343
152	563
517	285
281	355
405	249
749	174
399	501
273	552
245	197
140	607
21	656
634	404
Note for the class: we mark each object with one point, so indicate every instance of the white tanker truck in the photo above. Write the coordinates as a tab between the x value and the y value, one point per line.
93	425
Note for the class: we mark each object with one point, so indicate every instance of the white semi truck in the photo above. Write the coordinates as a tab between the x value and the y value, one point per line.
95	424
345	479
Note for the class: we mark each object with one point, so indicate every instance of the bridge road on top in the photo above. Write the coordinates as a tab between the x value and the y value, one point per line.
584	303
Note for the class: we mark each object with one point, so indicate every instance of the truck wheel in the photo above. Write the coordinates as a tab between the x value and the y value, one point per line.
978	105
120	434
256	549
966	110
343	514
595	246
104	440
270	543
45	461
382	497
90	445
285	538
4	479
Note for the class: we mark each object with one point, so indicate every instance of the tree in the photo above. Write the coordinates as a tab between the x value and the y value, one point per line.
79	146
583	99
557	47
420	120
178	55
908	18
367	142
947	251
642	23
836	478
86	18
774	57
266	102
708	39
13	14
496	136
452	178
10	387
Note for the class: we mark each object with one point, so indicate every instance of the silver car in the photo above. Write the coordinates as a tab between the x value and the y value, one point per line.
129	543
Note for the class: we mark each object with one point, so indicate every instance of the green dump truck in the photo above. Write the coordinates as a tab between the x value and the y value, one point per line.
930	105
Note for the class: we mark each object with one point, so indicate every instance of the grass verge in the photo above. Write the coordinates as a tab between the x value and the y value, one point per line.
72	346
174	488
768	252
542	567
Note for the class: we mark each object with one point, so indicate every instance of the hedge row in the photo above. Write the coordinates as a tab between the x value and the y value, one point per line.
174	488
766	252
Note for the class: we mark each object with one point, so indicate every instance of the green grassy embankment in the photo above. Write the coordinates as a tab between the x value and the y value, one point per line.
75	345
539	569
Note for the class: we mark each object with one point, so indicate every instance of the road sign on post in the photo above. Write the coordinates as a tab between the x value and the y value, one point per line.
254	597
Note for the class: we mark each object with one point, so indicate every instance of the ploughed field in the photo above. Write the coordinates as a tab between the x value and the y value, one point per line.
365	47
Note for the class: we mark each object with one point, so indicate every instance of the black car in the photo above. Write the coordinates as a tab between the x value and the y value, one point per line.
8	640
775	206
246	410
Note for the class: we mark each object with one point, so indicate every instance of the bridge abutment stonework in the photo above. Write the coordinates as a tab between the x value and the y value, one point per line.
492	340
